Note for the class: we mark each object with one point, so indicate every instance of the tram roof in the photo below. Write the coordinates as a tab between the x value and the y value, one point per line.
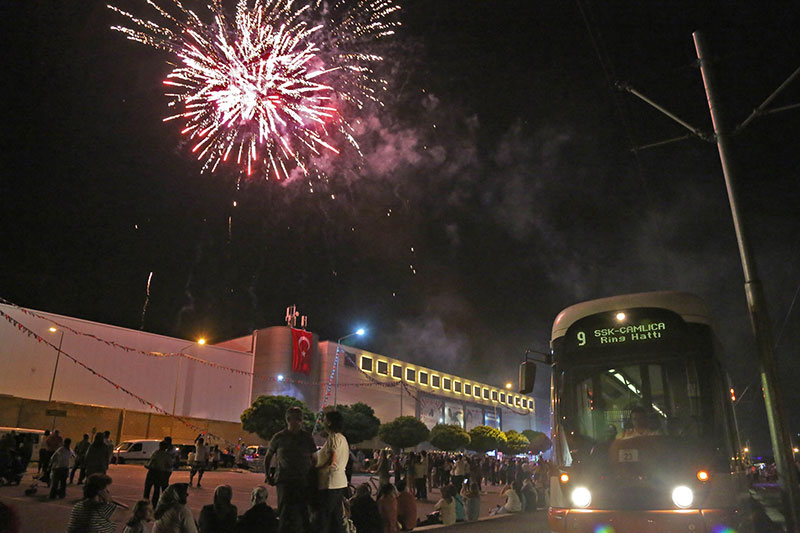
689	306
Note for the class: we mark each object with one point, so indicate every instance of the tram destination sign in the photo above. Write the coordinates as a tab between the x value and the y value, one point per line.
624	328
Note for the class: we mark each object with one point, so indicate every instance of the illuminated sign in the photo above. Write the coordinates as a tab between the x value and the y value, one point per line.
624	327
638	332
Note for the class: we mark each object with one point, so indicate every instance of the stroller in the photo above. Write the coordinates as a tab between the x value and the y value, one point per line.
11	469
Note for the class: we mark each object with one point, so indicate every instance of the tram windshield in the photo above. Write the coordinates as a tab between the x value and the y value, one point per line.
604	404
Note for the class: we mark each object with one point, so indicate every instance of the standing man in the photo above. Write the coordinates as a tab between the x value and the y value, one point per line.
332	460
52	443
59	466
200	461
80	457
460	472
109	444
159	468
294	448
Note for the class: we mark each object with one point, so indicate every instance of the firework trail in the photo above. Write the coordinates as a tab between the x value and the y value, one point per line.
270	88
146	299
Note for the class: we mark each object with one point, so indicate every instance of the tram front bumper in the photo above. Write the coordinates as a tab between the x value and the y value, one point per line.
634	521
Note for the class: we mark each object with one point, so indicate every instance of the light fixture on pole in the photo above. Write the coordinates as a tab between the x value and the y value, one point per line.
200	341
52	329
55	368
360	332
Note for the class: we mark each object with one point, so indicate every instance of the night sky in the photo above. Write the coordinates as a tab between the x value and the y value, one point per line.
498	185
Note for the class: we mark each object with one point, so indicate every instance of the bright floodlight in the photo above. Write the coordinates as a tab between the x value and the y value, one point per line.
581	497
620	316
280	377
682	496
52	329
201	341
360	331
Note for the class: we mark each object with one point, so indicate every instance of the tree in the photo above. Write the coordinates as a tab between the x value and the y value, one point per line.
515	442
360	422
485	438
267	415
403	432
449	437
540	442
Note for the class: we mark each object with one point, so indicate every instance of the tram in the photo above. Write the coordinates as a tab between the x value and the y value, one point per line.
643	429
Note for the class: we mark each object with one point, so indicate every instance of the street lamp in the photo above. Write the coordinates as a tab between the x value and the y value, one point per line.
360	332
200	341
55	368
509	385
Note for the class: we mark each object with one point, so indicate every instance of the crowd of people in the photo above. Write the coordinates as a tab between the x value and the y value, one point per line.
314	490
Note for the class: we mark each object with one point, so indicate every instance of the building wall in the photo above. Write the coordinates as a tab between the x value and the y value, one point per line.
431	405
75	419
172	383
273	358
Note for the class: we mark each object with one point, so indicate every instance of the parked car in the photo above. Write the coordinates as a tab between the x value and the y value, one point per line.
254	457
37	435
181	452
134	451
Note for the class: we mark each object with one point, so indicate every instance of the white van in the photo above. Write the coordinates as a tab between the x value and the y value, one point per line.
134	451
37	436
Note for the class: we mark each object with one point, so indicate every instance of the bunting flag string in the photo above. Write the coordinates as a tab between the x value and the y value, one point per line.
30	333
114	344
371	381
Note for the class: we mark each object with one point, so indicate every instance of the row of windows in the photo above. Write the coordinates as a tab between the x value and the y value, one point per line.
423	377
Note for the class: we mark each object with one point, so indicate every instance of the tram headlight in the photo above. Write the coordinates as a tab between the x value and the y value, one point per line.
581	497
682	496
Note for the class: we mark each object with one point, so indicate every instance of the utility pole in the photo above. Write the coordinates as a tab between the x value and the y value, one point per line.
759	318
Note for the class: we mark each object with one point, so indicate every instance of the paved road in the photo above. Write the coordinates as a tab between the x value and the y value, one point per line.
41	515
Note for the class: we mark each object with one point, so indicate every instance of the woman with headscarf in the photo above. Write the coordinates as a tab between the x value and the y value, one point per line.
260	518
96	460
220	516
172	514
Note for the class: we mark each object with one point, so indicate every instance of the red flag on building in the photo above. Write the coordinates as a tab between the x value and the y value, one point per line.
301	351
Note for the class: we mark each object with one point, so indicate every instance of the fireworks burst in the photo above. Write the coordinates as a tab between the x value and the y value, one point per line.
270	88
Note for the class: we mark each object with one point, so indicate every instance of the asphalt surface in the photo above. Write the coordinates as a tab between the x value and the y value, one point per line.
39	514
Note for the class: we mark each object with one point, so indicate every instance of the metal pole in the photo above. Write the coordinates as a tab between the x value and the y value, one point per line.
177	384
336	364
55	369
781	444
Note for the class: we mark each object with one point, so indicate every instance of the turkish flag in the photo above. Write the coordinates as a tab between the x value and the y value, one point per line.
301	351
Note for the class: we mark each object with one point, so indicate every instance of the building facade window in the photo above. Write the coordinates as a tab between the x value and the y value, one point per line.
485	393
446	383
366	363
467	389
397	371
457	386
423	378
502	397
436	381
411	375
383	367
494	395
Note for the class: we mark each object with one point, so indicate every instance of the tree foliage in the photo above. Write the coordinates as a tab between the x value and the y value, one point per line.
515	442
449	437
403	432
267	415
540	442
485	438
360	422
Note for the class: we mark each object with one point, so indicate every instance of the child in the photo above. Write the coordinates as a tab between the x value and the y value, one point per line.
142	512
472	501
